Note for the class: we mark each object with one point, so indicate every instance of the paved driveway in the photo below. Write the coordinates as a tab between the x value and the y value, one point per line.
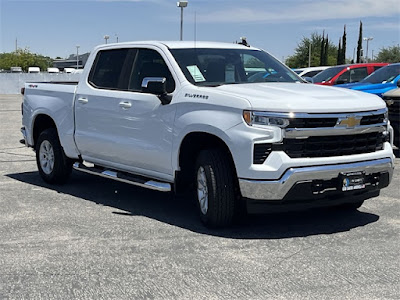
98	239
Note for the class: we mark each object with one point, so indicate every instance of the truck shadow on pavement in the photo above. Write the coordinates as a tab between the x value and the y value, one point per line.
181	211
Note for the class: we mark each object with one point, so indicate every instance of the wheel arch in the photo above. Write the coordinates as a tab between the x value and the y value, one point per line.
190	147
41	123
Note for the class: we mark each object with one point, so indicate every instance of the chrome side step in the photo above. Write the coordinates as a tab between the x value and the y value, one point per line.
124	177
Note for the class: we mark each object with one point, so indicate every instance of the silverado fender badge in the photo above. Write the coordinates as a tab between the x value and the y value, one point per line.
188	95
350	122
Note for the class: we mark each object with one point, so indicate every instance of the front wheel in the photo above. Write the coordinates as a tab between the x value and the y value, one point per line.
215	188
53	165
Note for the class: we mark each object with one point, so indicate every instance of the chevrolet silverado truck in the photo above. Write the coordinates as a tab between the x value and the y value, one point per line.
227	120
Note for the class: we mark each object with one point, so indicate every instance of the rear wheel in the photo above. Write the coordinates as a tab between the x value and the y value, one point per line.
53	165
215	188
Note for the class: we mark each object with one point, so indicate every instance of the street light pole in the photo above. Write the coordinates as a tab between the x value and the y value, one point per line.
106	37
182	4
77	56
367	39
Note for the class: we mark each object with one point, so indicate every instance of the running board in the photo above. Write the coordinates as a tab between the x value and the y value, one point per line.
124	177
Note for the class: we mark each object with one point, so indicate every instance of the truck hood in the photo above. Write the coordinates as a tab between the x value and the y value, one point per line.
301	97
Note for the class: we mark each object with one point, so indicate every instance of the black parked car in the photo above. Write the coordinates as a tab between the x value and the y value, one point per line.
392	99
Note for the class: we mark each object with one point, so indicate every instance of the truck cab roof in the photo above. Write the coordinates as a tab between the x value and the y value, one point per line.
179	44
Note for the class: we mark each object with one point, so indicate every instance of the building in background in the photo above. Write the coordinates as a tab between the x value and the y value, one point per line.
71	62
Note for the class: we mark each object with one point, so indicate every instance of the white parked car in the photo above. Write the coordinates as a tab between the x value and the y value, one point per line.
33	70
310	72
53	70
16	70
69	70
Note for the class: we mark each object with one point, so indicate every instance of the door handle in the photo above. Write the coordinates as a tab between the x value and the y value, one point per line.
125	104
83	100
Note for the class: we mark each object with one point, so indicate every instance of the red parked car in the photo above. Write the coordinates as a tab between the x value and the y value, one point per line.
346	73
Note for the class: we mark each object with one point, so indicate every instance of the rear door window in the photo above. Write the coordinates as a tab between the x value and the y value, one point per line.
112	69
358	74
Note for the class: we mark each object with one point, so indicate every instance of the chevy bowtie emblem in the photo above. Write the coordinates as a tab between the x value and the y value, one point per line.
350	122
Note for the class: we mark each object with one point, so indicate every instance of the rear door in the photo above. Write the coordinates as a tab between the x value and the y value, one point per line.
97	105
351	75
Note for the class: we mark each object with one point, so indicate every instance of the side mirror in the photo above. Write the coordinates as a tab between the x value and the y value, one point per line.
308	79
157	86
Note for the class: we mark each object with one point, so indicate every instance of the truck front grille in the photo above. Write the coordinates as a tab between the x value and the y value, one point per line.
317	135
371	120
312	122
327	146
331	122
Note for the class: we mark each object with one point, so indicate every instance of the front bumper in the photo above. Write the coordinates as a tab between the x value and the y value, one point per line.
319	180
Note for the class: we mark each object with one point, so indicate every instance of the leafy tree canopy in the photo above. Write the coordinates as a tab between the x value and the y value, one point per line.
24	58
300	58
389	55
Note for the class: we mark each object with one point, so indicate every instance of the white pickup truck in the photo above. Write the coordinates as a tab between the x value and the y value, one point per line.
230	121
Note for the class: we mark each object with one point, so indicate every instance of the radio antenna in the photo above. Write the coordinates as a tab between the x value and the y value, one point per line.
195	28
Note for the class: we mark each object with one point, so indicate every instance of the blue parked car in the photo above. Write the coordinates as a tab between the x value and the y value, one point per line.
379	82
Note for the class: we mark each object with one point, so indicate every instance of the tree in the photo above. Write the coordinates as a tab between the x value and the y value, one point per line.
359	45
339	53
341	56
322	51
344	40
24	58
389	55
326	51
300	58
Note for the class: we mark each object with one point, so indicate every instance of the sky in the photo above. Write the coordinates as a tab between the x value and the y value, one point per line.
55	27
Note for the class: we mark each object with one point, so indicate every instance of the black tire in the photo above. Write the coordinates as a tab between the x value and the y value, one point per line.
58	167
220	187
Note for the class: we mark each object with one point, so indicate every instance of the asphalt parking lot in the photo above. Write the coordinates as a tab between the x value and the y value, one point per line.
98	239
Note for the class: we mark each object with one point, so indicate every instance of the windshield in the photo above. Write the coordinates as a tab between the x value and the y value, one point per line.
327	74
382	75
213	67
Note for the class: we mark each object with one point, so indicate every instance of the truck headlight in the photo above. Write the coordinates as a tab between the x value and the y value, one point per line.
257	118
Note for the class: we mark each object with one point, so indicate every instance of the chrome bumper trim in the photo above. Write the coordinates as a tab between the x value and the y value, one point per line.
328	131
277	189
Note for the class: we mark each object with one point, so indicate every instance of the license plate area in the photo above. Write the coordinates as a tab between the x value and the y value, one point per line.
352	181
